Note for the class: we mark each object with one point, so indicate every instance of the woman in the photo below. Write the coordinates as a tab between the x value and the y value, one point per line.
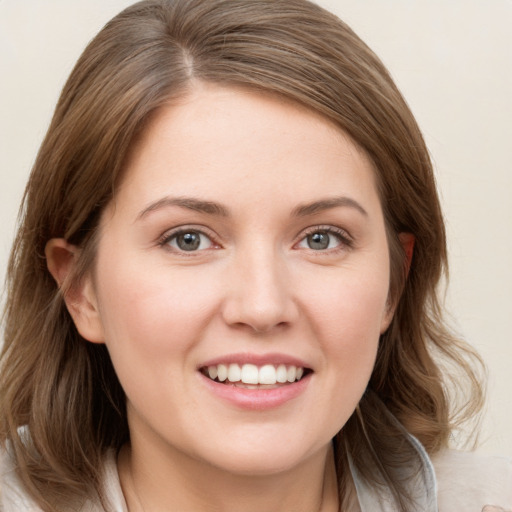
222	295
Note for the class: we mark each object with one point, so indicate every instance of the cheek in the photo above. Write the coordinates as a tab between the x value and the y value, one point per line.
346	316
152	311
349	305
152	322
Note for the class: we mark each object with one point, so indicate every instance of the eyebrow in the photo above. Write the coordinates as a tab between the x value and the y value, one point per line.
327	204
197	205
213	208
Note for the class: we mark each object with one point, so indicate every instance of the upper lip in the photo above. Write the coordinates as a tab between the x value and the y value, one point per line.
256	359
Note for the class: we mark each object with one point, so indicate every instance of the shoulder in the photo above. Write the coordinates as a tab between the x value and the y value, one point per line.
112	484
13	497
469	481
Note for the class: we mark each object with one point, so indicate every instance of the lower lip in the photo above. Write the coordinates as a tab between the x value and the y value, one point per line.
257	399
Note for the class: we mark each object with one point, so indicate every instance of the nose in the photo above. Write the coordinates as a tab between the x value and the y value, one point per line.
259	293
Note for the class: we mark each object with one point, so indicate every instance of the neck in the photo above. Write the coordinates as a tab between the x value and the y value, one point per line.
153	482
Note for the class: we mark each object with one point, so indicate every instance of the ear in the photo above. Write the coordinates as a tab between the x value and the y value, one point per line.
407	240
80	298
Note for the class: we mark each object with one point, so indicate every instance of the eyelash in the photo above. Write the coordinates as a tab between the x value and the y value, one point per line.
345	240
166	238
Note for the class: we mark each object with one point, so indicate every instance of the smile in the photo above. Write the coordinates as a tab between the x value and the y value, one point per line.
249	375
256	382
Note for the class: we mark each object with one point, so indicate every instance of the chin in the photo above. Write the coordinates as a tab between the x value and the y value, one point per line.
266	458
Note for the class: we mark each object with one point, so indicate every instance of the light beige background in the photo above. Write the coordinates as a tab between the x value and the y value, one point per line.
453	61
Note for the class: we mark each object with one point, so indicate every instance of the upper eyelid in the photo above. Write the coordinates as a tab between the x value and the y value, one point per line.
325	227
347	242
171	233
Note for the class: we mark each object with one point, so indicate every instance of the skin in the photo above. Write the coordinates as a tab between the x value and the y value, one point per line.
254	286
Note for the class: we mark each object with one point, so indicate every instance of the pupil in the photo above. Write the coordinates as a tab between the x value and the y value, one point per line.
188	241
318	241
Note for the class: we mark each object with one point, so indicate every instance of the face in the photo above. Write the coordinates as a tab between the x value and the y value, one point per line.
241	281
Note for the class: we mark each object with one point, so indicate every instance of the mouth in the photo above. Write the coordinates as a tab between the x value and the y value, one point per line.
251	376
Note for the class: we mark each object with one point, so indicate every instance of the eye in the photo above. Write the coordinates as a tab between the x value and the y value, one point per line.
323	239
189	241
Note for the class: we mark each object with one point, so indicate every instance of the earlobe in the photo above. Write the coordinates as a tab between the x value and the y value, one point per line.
80	298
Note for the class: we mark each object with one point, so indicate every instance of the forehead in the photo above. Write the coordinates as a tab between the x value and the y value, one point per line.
225	137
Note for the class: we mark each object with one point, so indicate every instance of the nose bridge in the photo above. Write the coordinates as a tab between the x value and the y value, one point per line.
260	294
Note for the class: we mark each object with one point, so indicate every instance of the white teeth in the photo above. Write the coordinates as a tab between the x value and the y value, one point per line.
251	374
267	374
212	372
234	373
222	372
281	374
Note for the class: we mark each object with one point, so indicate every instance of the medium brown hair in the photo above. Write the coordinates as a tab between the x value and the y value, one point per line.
61	388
